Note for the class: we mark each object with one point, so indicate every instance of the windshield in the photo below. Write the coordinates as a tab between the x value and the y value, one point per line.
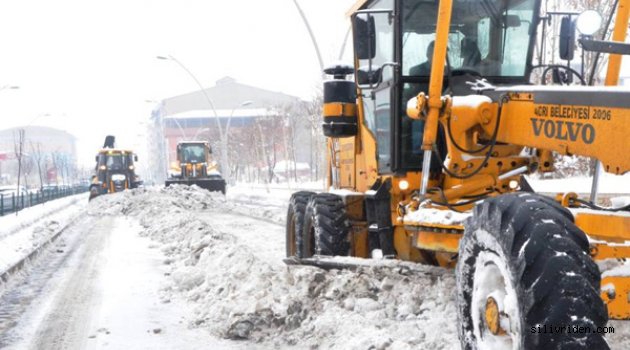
194	153
490	37
116	162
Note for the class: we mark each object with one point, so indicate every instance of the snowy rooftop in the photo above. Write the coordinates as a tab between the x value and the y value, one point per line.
223	113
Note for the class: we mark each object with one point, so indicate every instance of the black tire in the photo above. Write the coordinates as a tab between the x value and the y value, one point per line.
94	192
326	227
295	222
546	261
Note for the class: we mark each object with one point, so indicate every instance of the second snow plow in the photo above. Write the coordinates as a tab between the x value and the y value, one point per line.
194	167
115	170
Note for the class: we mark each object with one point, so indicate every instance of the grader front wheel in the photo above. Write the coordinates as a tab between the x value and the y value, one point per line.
525	279
326	227
295	222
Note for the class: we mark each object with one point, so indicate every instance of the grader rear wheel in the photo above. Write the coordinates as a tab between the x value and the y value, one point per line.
326	227
295	222
524	265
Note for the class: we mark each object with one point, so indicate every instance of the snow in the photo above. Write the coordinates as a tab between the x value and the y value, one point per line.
563	88
103	292
608	288
608	184
283	165
622	270
11	223
619	202
198	266
494	278
346	192
576	211
470	101
239	293
22	234
223	113
435	216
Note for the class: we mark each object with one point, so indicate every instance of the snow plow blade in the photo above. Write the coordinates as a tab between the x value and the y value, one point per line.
353	263
212	185
324	263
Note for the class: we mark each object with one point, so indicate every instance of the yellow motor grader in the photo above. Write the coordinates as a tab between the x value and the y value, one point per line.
195	167
428	146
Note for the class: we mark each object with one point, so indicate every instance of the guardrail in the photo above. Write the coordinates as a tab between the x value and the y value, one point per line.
16	202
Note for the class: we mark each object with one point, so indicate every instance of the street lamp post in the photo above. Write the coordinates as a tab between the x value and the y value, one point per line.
226	137
312	36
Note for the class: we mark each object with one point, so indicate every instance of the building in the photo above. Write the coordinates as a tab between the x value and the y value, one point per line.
260	126
51	150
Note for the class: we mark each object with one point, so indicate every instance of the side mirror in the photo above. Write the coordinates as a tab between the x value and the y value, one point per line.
512	21
567	38
364	36
135	157
209	149
369	78
96	159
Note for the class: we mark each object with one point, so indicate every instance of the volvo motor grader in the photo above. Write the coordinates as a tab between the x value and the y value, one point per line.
115	170
428	146
195	167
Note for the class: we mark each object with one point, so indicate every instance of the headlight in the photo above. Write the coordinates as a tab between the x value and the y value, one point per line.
589	22
118	177
403	185
102	167
131	167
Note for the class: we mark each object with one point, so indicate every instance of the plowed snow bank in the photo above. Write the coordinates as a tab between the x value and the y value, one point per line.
239	295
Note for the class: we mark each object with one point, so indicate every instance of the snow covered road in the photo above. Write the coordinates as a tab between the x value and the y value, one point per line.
98	287
180	268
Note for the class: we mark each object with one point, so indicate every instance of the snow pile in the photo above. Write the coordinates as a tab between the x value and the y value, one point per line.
608	184
154	201
11	223
239	295
620	202
22	234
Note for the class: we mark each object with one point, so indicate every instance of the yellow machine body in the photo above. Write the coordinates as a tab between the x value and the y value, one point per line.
587	121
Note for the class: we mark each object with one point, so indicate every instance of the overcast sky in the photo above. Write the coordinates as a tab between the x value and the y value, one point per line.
88	66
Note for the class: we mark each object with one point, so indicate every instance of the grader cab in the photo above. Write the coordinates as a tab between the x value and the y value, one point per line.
427	151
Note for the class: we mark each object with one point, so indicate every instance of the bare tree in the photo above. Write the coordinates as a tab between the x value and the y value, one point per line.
57	166
18	144
27	169
40	160
313	113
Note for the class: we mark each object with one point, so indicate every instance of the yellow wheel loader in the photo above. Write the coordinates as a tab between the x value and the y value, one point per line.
115	170
428	146
195	167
